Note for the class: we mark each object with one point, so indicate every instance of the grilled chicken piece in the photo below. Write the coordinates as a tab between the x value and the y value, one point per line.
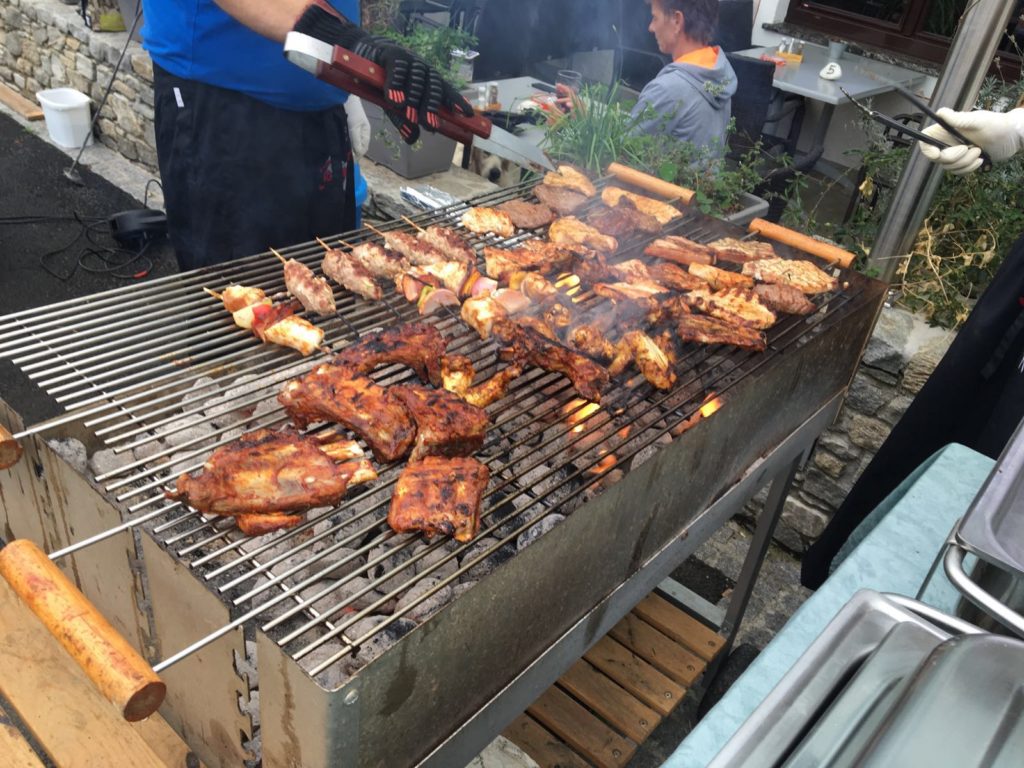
379	261
347	271
446	425
680	250
740	306
481	312
439	495
632	291
534	286
557	316
589	378
451	274
417	345
623	220
313	293
675	277
267	472
562	200
275	324
236	297
527	215
495	388
457	374
571	178
711	330
542	257
450	243
335	394
591	267
485	220
663	212
802	275
591	341
572	231
784	298
720	279
651	359
630	270
539	325
741	251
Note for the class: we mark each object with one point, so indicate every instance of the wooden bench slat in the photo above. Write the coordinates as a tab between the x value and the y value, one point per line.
658	650
652	687
543	746
680	626
581	729
15	751
21	105
616	706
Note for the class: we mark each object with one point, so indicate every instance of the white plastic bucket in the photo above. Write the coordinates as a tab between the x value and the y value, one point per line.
67	116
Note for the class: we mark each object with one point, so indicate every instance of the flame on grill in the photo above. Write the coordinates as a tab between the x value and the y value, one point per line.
711	405
571	284
607	461
577	411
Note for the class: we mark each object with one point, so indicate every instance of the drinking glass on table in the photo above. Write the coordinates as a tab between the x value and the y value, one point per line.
567	88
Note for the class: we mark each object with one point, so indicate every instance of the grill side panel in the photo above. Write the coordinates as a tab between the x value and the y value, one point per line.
410	698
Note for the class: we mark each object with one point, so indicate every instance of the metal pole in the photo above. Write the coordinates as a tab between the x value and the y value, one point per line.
970	55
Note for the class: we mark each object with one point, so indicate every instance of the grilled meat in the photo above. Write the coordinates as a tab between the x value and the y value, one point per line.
539	325
451	274
481	312
630	270
711	330
530	256
740	306
439	495
527	215
557	316
313	293
417	345
784	298
446	425
675	277
457	373
591	341
570	178
347	271
802	275
484	220
622	221
650	358
562	200
415	251
741	251
636	290
663	212
680	250
572	231
589	378
275	324
265	473
379	261
236	297
591	267
450	243
335	394
720	279
534	286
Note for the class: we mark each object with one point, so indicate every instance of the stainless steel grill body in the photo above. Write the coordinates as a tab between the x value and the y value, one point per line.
131	366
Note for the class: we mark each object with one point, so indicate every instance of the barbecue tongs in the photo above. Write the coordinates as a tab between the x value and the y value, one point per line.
360	77
903	128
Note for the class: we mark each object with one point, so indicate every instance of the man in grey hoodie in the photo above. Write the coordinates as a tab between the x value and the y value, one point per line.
691	97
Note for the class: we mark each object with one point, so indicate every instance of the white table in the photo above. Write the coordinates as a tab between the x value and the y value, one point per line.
511	93
862	78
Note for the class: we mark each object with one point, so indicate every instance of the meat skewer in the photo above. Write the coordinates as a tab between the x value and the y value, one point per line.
347	272
446	240
313	293
269	322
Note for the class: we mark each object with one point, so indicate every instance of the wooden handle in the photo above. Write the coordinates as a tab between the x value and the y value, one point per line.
826	251
119	672
10	451
650	183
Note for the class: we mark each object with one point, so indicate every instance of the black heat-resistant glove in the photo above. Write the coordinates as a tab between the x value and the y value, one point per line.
414	91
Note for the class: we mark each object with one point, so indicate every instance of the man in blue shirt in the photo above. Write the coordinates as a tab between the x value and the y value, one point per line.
254	152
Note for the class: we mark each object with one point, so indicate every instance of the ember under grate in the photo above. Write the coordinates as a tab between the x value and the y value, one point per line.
335	591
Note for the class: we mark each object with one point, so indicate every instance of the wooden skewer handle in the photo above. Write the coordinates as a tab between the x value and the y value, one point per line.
10	450
117	670
826	251
650	183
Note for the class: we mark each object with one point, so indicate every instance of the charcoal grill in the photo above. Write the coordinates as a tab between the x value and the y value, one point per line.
159	375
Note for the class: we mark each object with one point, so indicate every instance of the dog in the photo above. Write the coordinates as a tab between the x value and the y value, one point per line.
498	170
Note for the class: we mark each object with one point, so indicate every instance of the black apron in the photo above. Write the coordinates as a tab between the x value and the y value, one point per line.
974	397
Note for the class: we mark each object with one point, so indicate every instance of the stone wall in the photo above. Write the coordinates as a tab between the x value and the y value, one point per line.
901	355
45	44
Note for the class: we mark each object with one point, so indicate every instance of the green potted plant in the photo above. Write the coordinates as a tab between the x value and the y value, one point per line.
433	152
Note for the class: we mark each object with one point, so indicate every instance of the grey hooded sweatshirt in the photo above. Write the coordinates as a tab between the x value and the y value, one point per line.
692	103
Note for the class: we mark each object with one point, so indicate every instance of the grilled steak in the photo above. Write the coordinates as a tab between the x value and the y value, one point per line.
622	221
527	215
784	298
802	275
711	330
680	250
417	345
569	230
720	279
741	251
332	393
446	425
439	495
562	200
663	212
675	277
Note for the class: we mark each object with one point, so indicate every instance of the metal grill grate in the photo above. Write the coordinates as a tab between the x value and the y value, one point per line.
162	376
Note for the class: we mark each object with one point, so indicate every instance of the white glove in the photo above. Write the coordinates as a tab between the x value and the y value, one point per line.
1000	134
358	126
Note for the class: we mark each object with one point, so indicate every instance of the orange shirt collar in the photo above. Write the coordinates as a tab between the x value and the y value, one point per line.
705	57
